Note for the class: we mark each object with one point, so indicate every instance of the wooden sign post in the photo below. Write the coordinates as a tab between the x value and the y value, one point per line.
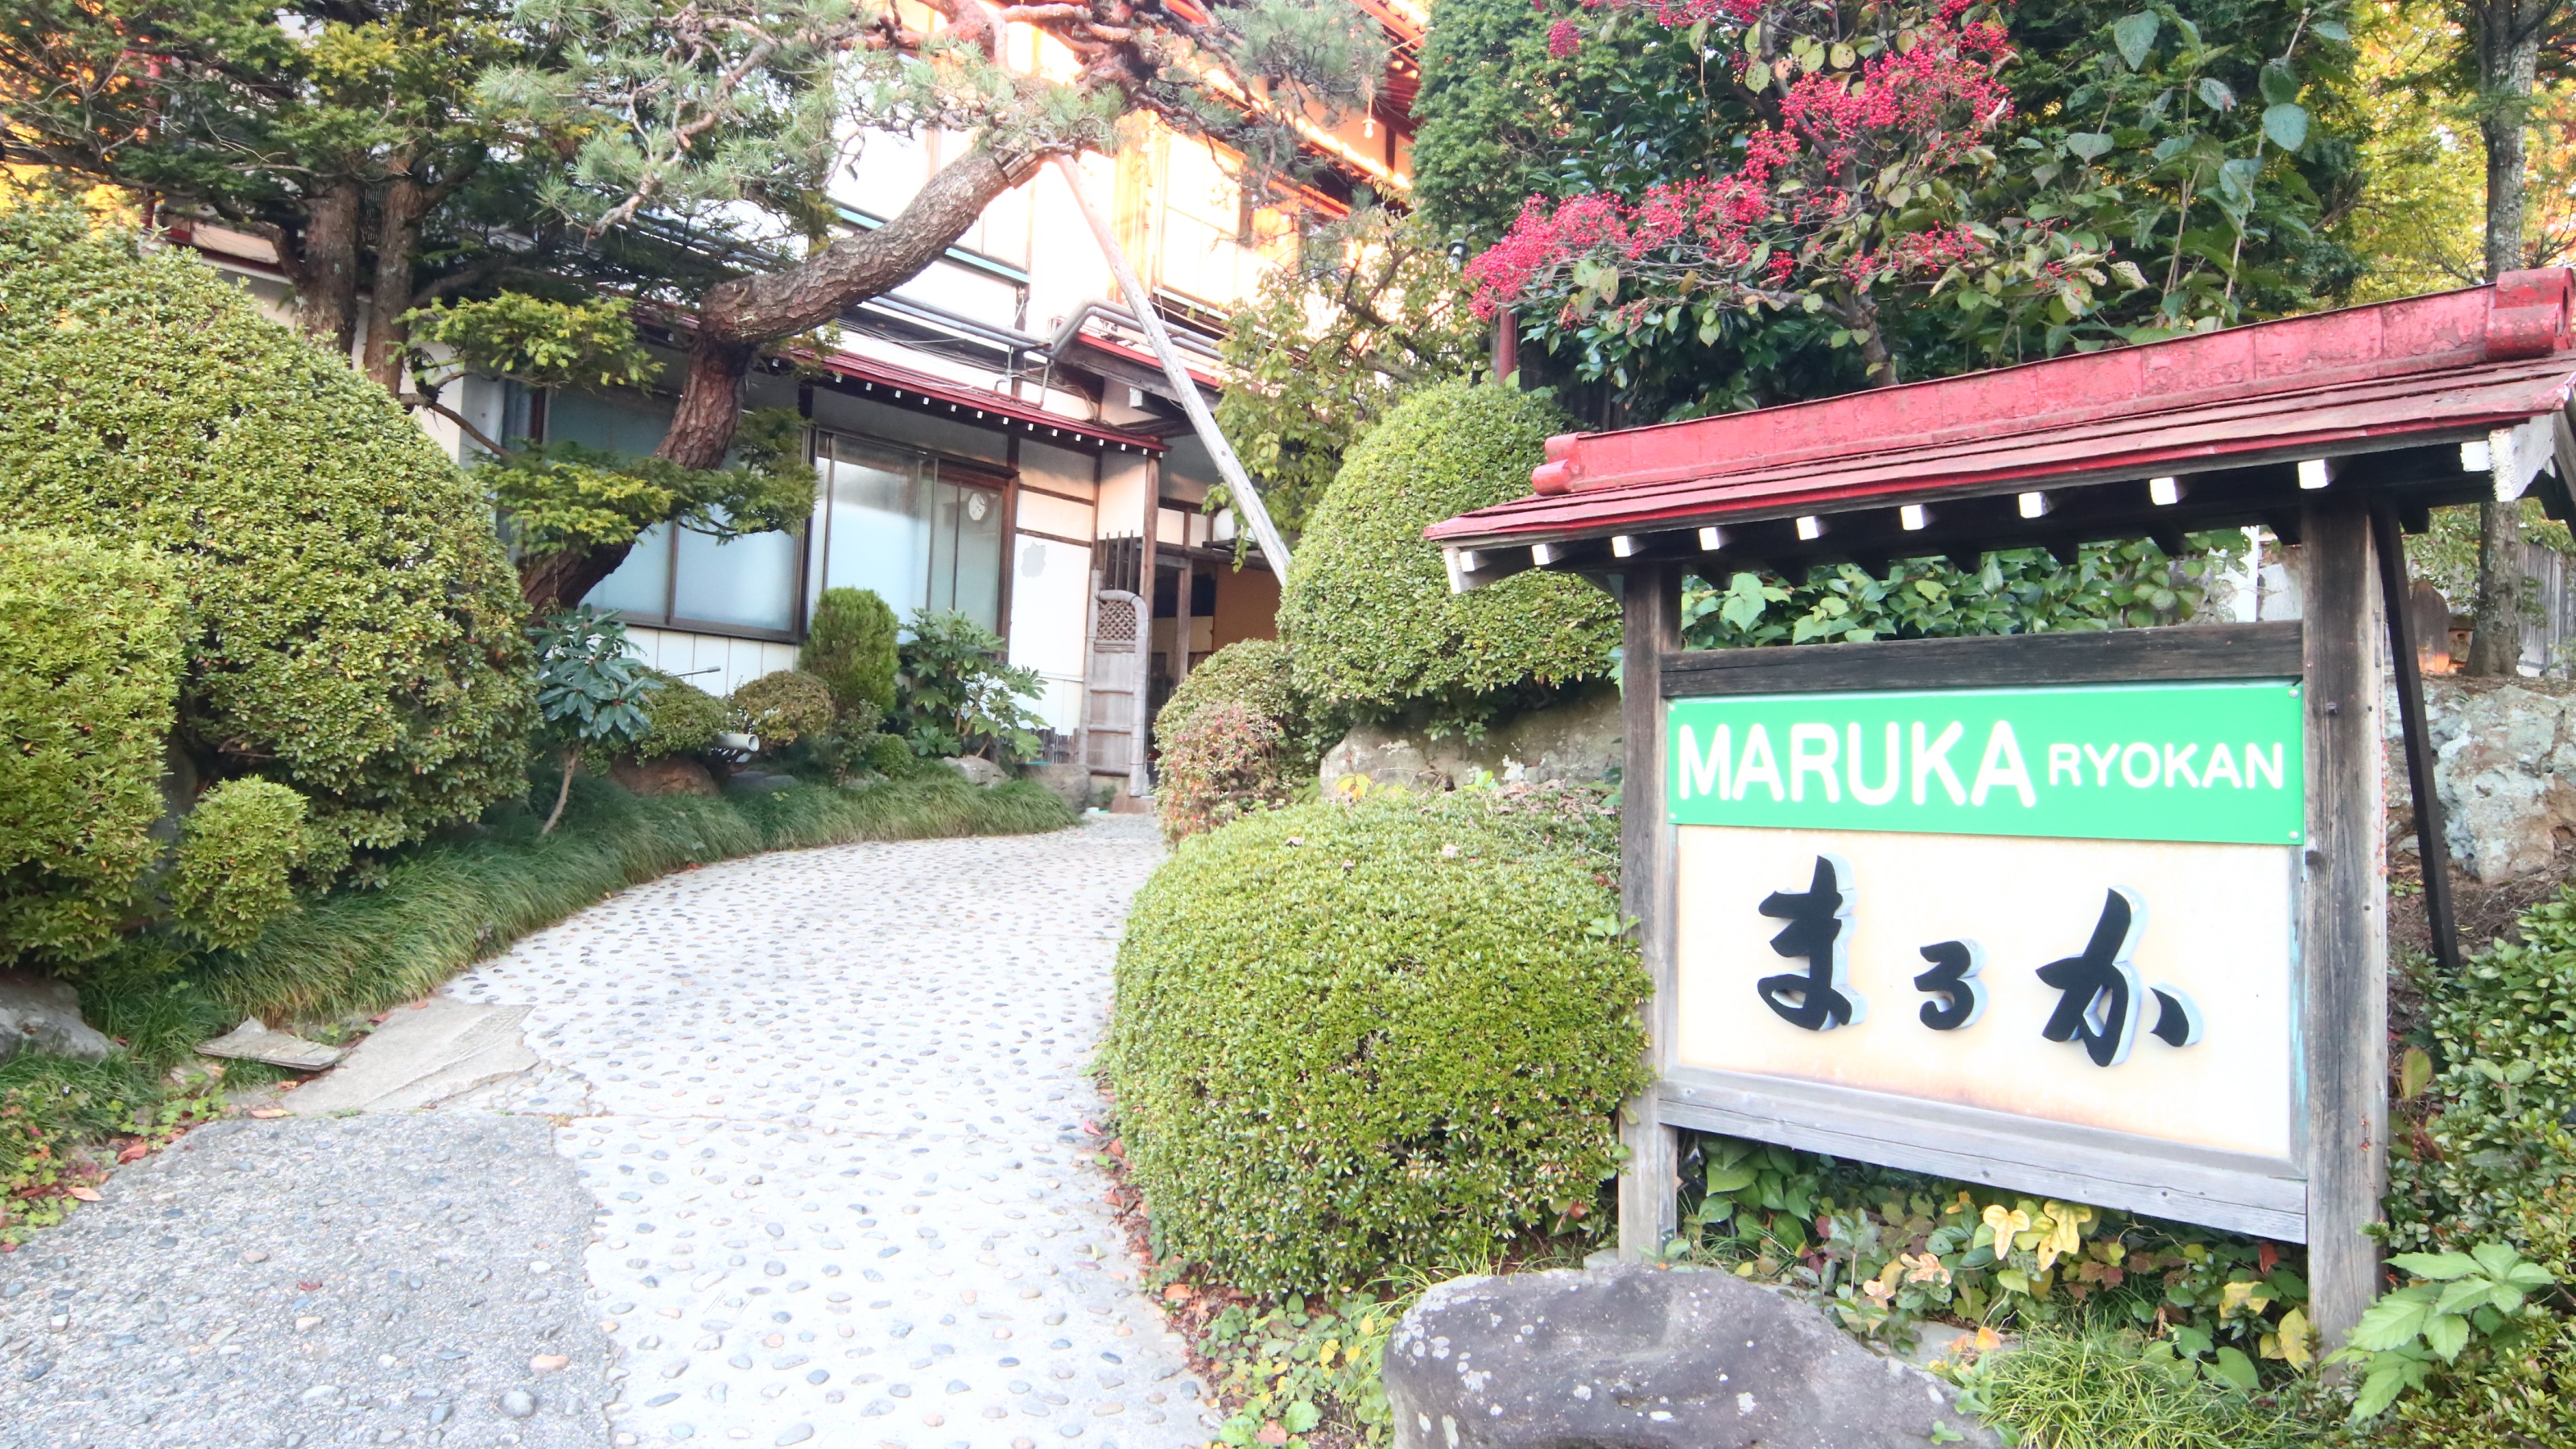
2101	914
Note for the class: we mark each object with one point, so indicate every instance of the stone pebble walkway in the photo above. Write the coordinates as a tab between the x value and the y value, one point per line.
832	1105
817	1130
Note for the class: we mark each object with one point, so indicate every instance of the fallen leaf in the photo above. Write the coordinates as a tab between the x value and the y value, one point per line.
268	1112
85	1194
132	1151
546	1363
1273	1433
1177	1293
288	1086
309	1287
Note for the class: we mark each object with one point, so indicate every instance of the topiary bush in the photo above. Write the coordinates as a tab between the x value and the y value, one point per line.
354	623
1367	606
1223	765
1354	1037
783	707
851	647
1254	673
680	718
238	852
89	684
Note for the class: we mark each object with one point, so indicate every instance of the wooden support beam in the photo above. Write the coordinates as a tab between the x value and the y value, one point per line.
2113	656
2431	846
2343	925
1650	1182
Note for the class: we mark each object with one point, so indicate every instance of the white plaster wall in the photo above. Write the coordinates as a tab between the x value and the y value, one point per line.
731	662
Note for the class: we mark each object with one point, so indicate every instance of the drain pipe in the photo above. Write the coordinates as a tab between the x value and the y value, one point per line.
1264	532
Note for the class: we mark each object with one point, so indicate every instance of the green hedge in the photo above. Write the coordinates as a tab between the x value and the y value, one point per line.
1354	1037
238	851
784	706
1253	673
680	718
355	624
1367	605
89	683
851	646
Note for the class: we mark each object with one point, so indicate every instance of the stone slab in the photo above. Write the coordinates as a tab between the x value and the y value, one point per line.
255	1041
421	1055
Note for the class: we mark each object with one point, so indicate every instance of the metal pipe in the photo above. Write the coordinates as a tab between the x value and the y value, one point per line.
1273	547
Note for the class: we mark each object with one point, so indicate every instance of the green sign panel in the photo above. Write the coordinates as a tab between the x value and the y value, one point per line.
2205	761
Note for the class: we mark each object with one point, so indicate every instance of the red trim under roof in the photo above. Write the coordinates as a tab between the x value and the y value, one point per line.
1000	411
2419	370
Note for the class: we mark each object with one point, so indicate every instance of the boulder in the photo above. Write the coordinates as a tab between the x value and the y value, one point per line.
2505	769
1638	1357
669	775
41	1015
1579	742
1070	783
977	769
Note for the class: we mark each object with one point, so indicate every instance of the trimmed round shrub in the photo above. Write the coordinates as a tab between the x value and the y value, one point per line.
1367	606
680	718
1223	765
851	647
1355	1037
1253	673
784	707
238	850
355	625
89	684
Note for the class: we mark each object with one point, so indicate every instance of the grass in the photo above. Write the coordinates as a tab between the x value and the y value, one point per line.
2099	1391
438	909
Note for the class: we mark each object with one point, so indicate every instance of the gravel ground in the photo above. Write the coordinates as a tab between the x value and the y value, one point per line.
407	1279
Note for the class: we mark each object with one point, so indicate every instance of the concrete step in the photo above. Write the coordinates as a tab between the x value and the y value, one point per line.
421	1056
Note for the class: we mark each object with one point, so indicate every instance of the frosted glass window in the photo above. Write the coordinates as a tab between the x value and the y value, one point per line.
642	584
749	581
892	523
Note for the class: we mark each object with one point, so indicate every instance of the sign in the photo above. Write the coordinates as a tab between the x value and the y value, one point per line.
2145	989
2210	761
2041	935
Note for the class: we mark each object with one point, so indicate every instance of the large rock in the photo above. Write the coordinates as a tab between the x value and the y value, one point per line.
1577	742
41	1015
977	769
667	775
1648	1358
1070	783
2505	769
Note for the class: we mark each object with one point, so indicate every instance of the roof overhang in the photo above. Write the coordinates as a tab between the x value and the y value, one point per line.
2448	398
901	386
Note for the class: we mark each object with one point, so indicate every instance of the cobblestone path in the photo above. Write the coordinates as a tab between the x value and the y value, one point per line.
829	1103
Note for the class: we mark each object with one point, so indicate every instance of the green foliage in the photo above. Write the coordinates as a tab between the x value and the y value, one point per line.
355	627
2446	554
2483	1293
565	497
783	706
589	686
90	658
1309	1364
2512	1393
2058	1390
1220	766
679	717
1367	606
2025	591
959	698
238	852
534	341
1350	1037
1368	308
1254	673
1887	1250
851	646
2486	1153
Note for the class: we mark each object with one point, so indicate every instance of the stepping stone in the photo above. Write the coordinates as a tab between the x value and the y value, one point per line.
421	1056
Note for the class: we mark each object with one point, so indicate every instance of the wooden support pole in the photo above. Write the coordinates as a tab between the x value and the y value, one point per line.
2343	925
1652	603
2431	845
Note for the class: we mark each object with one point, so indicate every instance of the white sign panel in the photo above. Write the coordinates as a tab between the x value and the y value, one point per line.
2137	987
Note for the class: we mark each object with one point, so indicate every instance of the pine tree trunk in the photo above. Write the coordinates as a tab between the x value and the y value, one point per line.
741	315
326	267
560	580
397	251
2508	61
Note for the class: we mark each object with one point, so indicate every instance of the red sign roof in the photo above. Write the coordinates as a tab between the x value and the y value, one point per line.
2239	410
